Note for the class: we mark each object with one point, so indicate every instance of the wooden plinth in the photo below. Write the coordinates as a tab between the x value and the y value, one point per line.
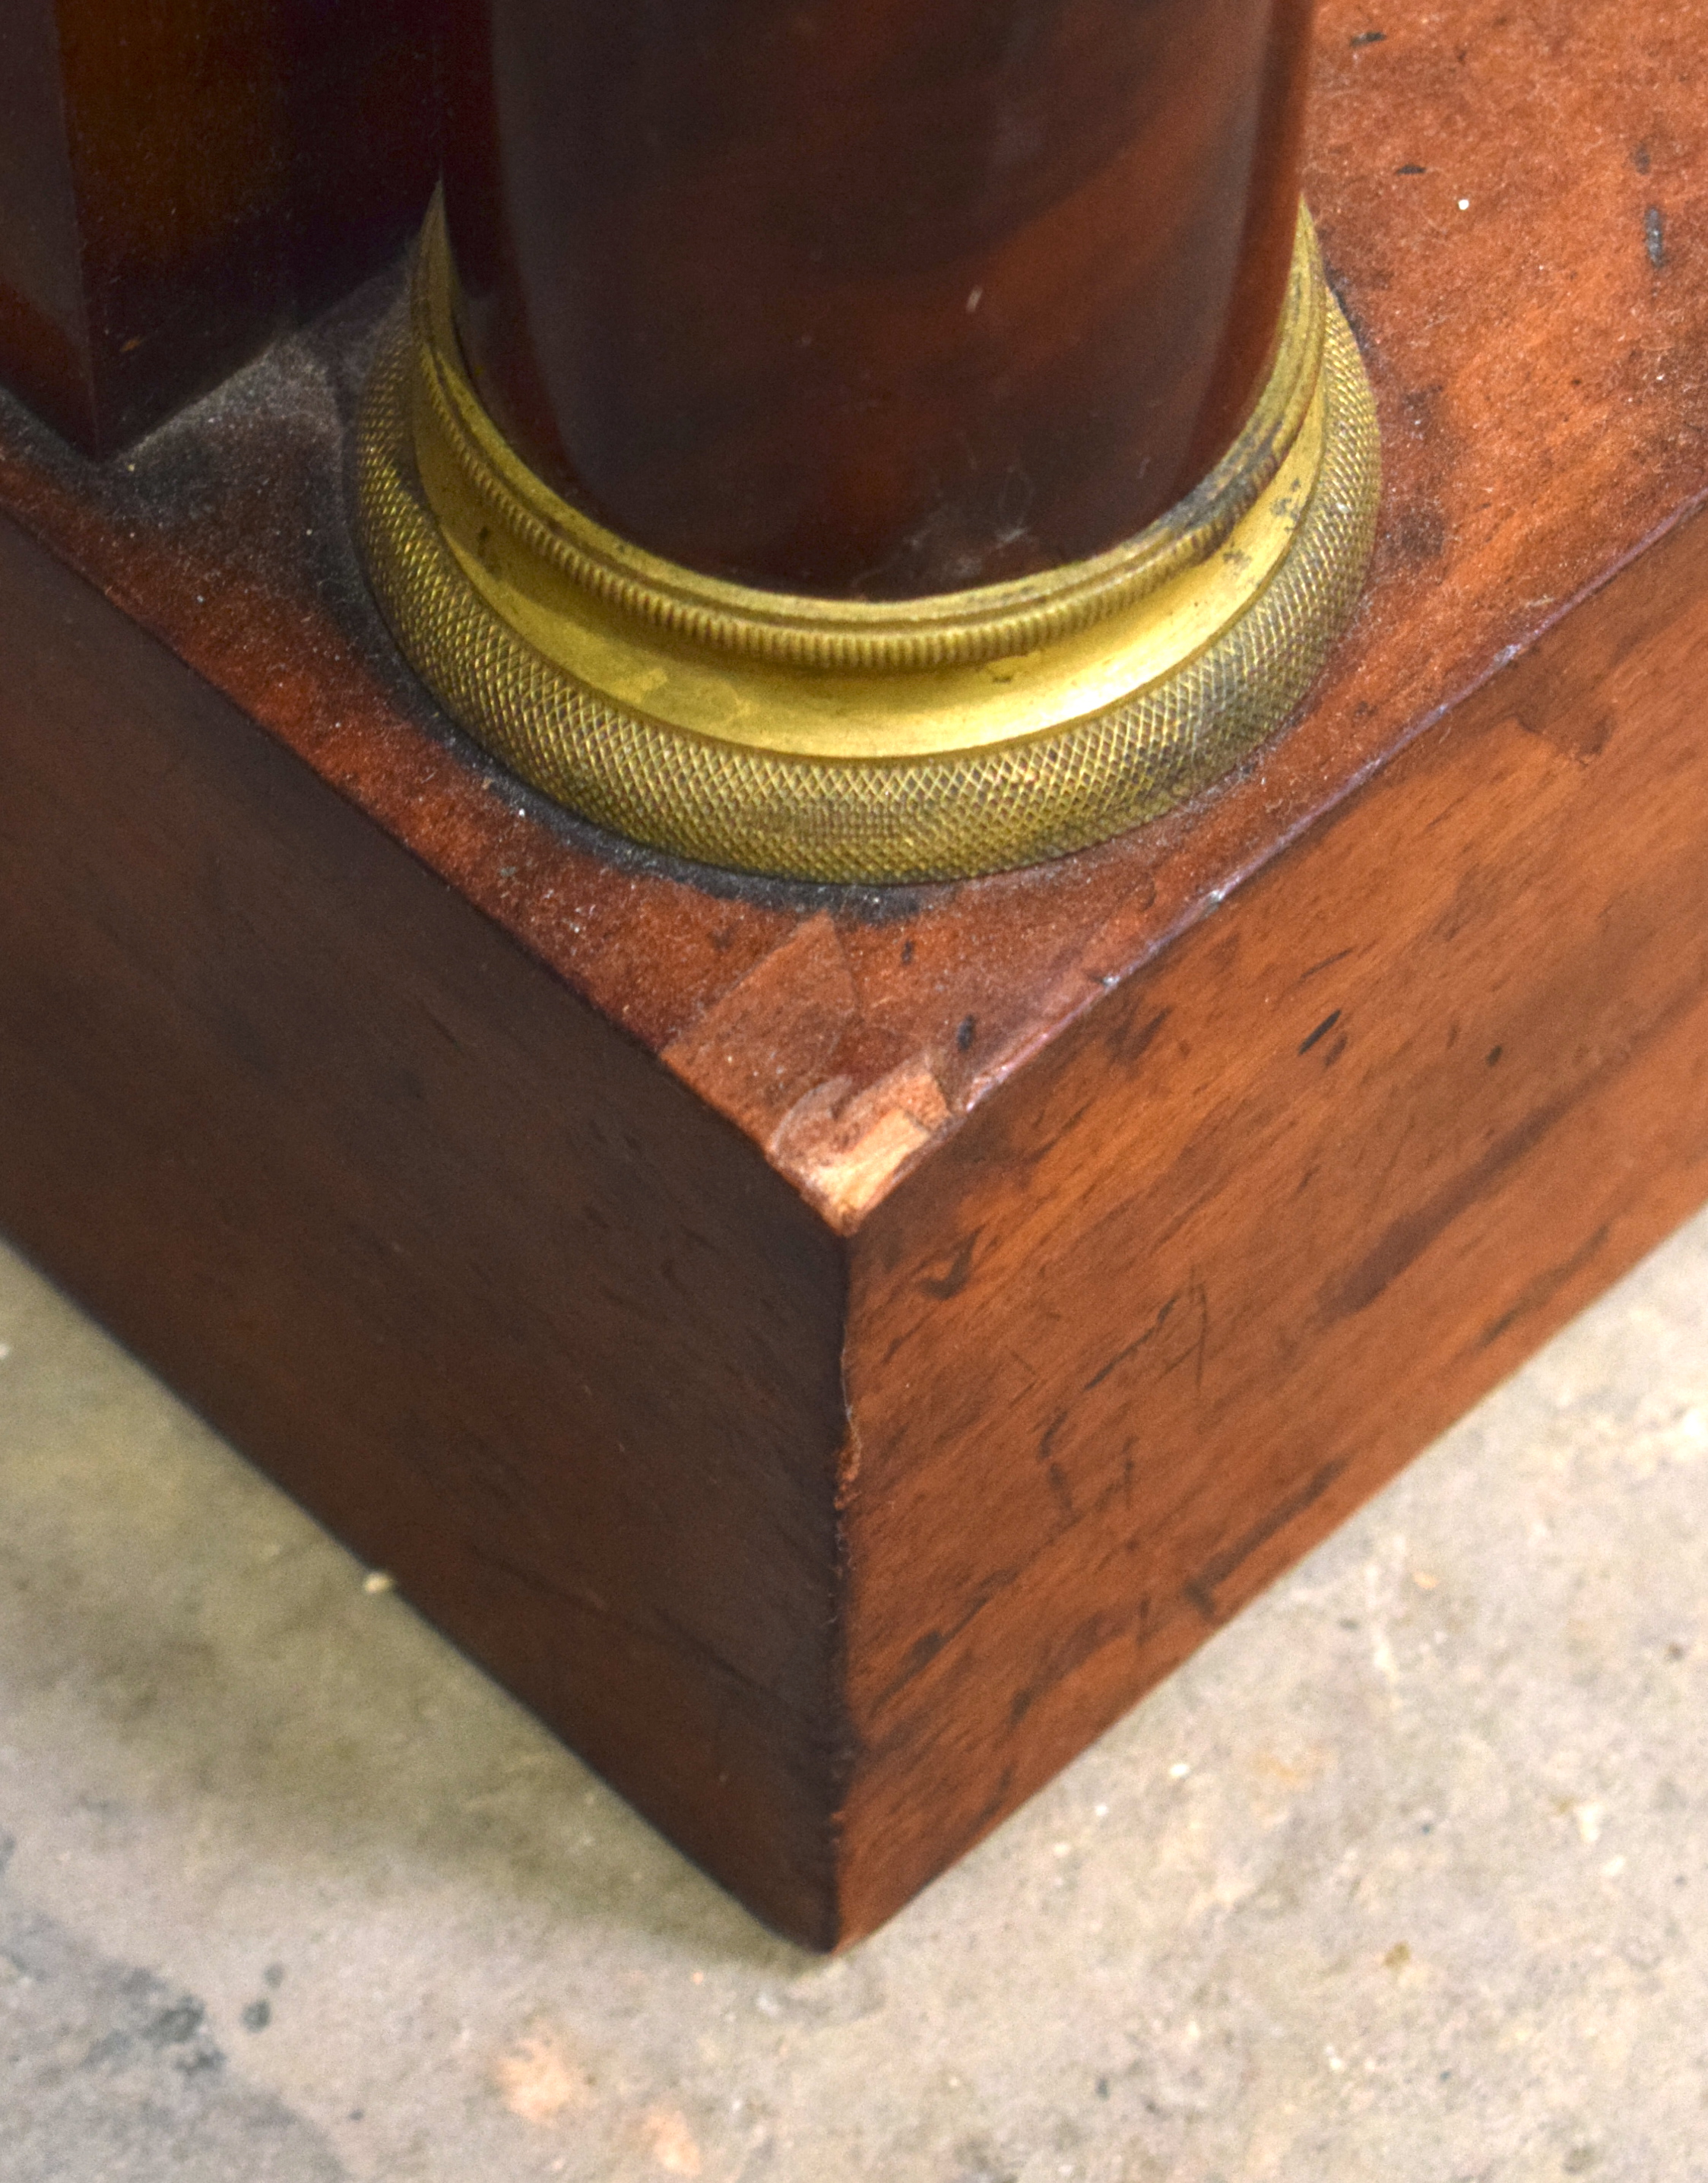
829	1351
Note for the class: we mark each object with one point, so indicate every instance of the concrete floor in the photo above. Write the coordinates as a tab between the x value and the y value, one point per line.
1403	1877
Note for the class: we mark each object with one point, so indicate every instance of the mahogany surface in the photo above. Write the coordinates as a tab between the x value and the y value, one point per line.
873	300
266	1083
914	1317
1332	1167
182	178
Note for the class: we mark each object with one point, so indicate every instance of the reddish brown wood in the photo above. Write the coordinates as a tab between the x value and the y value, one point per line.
457	1158
831	1552
1322	1175
181	179
877	299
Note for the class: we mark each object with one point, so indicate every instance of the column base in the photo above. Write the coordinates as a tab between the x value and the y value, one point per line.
830	1350
933	738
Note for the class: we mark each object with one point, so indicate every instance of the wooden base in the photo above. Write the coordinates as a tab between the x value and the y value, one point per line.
830	1350
179	183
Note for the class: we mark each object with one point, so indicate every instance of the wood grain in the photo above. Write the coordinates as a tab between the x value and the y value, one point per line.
180	180
874	301
1171	1305
1071	1248
1511	492
386	1203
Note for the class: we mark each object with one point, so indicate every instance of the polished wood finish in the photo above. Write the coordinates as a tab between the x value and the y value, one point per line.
873	300
1325	1173
265	1078
831	1349
182	178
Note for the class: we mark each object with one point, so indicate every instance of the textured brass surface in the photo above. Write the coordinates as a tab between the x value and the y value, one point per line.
553	552
837	740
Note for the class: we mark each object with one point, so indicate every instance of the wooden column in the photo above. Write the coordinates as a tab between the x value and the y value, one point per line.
180	180
867	443
830	1349
871	301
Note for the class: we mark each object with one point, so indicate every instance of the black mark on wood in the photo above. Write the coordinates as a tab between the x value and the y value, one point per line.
1322	1031
944	1285
1215	1572
1133	1040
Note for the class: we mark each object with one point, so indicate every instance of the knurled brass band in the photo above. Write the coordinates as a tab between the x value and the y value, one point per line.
842	740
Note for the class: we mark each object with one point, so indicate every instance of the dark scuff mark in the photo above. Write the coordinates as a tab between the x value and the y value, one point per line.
1133	1039
925	1650
1030	1376
1655	235
1421	535
1061	1489
944	1285
1582	731
966	1033
1327	963
1322	1031
1065	1659
1543	1290
1411	167
1215	1572
1368	38
1408	1239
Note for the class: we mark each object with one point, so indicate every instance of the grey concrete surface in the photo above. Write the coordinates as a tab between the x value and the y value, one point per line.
1403	1877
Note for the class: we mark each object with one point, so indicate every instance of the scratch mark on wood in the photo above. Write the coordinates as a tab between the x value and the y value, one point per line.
1406	1240
1133	1348
1215	1572
1543	1289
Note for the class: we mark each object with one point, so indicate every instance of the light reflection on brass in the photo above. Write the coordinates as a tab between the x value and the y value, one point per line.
936	737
